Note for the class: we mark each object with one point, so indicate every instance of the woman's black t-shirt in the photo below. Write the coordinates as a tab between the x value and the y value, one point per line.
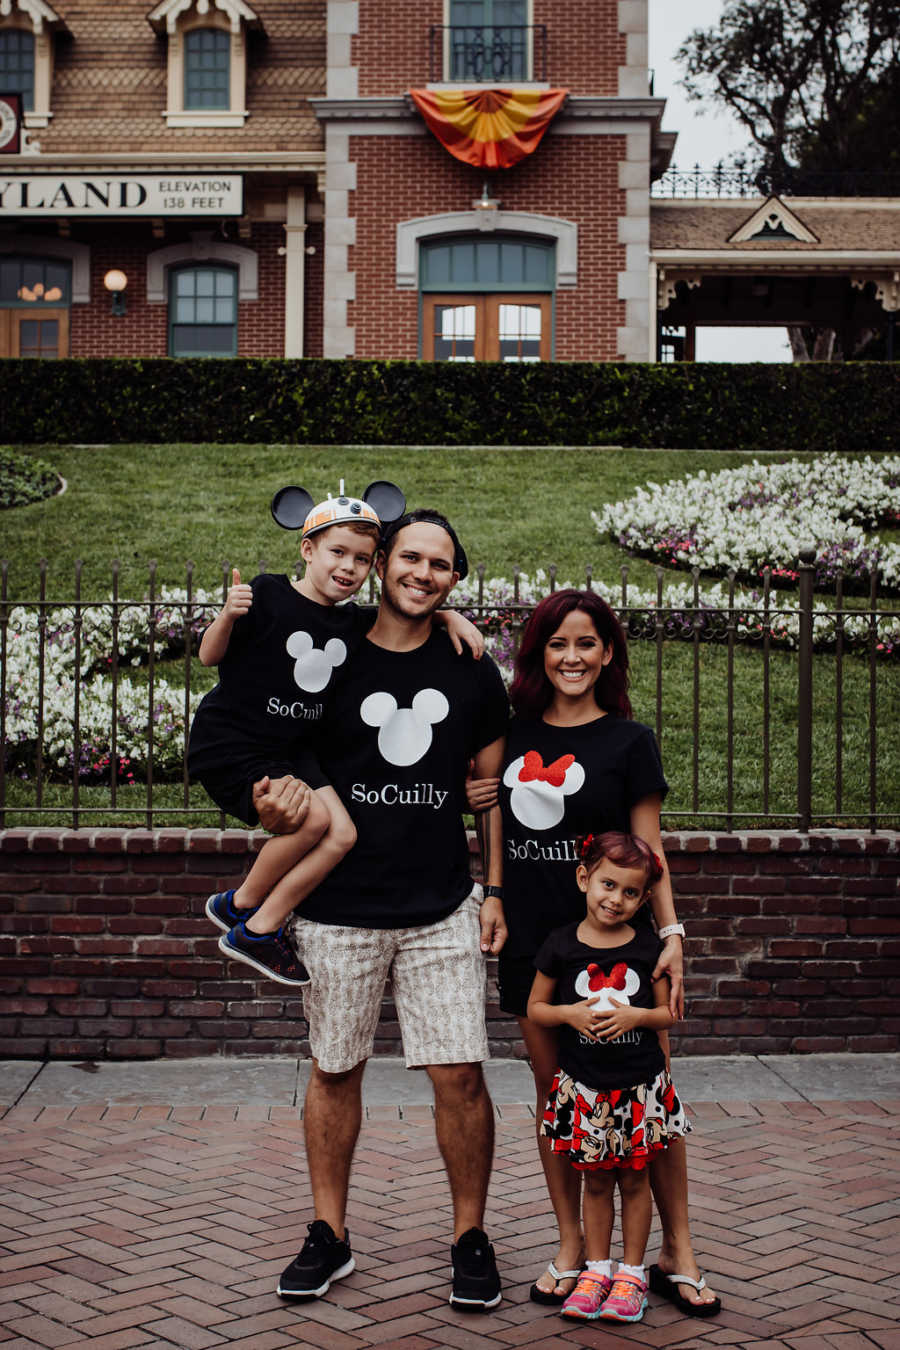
622	973
559	783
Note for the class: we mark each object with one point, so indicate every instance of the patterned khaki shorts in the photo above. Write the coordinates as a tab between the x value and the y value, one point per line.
437	973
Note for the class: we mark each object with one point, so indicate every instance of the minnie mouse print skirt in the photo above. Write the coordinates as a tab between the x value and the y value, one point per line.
623	1127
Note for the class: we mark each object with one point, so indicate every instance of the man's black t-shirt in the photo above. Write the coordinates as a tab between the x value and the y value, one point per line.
559	783
622	973
275	675
397	737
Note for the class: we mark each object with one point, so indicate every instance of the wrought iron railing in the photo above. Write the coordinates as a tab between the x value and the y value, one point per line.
96	698
735	181
496	54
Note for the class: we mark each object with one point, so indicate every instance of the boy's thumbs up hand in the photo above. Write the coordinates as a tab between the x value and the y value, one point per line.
239	598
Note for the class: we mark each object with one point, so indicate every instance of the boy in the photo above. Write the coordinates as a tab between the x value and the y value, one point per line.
277	643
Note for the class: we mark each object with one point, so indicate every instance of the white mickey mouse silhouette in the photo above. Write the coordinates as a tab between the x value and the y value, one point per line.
601	989
405	733
537	792
313	667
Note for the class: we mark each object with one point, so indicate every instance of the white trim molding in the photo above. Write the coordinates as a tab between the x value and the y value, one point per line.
772	215
39	245
41	19
202	248
175	18
410	233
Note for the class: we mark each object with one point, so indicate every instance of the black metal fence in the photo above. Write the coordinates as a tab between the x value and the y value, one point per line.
494	53
775	709
735	181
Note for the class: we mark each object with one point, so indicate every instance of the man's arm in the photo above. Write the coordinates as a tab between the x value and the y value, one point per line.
489	829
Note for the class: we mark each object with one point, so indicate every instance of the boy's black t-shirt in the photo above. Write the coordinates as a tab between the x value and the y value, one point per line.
624	974
559	783
275	676
397	737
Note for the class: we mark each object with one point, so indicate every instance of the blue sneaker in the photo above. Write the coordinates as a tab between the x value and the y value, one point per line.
220	908
269	953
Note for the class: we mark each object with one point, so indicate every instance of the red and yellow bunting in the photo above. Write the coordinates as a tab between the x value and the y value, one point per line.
489	128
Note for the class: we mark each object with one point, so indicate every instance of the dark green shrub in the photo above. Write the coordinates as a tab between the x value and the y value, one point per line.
852	407
24	479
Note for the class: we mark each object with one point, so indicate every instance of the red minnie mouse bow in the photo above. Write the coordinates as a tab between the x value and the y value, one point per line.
614	980
533	769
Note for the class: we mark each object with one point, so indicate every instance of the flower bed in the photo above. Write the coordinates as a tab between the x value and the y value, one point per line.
500	606
759	516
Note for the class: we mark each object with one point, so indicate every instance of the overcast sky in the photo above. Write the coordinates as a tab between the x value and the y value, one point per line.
706	134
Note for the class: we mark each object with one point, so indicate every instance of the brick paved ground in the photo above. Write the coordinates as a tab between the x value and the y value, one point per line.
129	1225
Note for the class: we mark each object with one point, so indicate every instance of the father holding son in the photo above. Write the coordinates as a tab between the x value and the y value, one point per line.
404	721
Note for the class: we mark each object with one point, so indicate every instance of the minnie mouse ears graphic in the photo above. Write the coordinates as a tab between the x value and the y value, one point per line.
293	507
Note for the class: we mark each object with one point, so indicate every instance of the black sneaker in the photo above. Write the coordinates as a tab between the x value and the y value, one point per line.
324	1258
476	1283
220	908
269	953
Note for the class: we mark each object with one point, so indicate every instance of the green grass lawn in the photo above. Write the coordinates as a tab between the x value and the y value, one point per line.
528	507
210	503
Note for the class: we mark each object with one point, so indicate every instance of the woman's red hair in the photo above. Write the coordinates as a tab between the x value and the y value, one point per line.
531	692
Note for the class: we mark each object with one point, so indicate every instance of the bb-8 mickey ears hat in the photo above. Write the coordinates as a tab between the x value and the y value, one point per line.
293	508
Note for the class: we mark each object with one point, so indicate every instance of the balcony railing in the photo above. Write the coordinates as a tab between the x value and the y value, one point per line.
496	54
734	181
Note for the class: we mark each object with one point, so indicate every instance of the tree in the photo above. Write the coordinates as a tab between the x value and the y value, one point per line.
816	85
799	75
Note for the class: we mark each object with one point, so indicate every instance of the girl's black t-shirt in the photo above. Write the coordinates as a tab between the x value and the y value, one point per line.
621	973
282	658
559	783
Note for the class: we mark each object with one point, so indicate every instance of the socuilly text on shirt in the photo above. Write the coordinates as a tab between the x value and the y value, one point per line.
536	850
303	712
392	794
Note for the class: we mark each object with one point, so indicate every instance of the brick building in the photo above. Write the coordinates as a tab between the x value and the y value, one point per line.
260	178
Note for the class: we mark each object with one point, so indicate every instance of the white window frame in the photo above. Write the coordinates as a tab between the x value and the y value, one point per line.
528	83
39	18
175	18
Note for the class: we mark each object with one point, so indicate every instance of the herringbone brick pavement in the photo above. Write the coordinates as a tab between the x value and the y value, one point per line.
162	1226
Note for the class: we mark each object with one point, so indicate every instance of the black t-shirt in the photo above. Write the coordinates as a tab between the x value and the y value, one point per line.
559	783
624	973
275	675
396	740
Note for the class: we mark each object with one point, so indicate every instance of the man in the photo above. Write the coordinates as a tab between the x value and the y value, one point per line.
405	722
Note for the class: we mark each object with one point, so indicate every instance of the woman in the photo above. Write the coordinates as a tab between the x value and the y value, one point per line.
576	762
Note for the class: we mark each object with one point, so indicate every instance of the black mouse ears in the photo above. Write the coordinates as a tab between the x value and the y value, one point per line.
294	509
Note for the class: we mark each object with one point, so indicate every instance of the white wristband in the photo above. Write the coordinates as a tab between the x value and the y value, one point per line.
671	929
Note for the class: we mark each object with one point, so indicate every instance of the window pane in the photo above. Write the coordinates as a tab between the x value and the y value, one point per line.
17	64
39	338
9	279
520	333
203	310
202	340
454	338
207	69
499	263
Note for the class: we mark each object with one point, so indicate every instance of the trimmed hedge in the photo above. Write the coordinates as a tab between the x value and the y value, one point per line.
852	407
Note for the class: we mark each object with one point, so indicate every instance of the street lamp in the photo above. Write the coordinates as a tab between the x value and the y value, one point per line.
115	282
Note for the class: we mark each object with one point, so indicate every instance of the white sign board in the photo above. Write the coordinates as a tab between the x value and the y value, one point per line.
156	194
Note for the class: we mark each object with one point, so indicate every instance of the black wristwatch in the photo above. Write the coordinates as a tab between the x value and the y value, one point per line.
493	892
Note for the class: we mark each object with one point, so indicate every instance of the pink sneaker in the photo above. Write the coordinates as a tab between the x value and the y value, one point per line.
586	1299
626	1301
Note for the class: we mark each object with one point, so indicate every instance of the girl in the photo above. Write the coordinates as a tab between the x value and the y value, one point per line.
612	1104
576	761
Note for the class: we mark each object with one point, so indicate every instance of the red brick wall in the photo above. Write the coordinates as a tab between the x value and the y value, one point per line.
399	178
106	953
143	331
584	47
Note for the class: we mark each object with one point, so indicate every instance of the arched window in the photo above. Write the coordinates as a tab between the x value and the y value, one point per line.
203	309
17	64
207	69
487	299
